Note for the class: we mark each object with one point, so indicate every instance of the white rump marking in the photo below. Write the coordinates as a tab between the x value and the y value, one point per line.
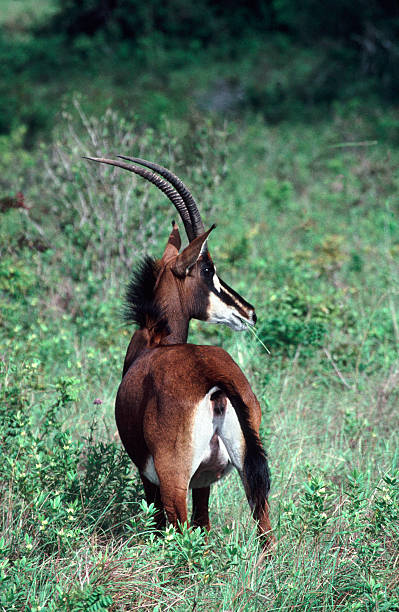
218	442
150	471
217	445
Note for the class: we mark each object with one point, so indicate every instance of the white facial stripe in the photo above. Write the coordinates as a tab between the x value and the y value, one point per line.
228	293
216	283
220	312
251	313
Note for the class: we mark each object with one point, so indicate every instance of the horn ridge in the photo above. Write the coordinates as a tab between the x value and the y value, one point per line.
159	182
180	187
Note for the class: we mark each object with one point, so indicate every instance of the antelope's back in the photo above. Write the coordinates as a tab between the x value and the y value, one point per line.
171	380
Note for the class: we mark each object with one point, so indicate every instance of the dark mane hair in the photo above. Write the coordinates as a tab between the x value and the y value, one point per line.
139	306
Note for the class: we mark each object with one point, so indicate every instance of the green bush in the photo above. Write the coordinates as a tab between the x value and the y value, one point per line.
298	319
59	489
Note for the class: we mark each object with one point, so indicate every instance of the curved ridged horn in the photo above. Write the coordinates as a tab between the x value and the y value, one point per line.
167	189
180	187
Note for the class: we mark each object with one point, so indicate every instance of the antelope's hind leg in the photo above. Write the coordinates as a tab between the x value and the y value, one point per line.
173	485
178	454
153	496
200	516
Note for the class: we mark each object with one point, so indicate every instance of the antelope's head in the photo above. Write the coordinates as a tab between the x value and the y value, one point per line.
187	279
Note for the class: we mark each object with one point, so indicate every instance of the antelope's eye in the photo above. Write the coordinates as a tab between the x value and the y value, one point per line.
207	271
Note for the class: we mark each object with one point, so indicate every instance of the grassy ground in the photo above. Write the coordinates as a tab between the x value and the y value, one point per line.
308	231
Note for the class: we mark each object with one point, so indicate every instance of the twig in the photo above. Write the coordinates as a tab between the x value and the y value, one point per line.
336	369
258	339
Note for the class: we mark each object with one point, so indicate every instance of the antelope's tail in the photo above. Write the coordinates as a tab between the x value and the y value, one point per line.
256	471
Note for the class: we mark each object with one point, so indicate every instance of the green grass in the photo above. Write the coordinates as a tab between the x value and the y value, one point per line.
308	231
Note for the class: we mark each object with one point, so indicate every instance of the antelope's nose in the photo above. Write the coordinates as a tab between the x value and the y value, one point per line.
253	317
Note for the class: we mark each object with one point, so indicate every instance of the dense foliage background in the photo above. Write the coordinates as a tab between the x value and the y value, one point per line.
281	58
282	117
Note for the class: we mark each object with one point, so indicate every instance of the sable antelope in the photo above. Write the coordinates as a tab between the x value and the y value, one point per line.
185	413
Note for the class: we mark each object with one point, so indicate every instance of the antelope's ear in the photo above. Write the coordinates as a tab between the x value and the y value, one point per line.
174	243
190	254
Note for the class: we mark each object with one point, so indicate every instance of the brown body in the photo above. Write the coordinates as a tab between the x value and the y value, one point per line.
186	414
155	420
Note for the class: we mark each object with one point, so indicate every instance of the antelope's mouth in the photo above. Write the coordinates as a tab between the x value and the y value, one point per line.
240	323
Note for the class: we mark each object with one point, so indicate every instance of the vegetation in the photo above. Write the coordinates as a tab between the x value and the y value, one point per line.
308	231
181	56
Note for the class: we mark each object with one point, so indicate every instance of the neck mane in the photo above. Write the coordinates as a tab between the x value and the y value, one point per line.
158	325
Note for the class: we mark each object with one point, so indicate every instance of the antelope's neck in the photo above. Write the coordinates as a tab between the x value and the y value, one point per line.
177	328
176	332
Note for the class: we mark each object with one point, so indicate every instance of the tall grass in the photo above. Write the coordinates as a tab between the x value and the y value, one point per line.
308	232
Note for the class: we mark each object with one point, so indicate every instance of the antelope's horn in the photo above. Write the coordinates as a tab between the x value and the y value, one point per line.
181	188
167	189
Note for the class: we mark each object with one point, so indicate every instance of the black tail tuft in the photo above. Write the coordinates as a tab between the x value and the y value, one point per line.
256	470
